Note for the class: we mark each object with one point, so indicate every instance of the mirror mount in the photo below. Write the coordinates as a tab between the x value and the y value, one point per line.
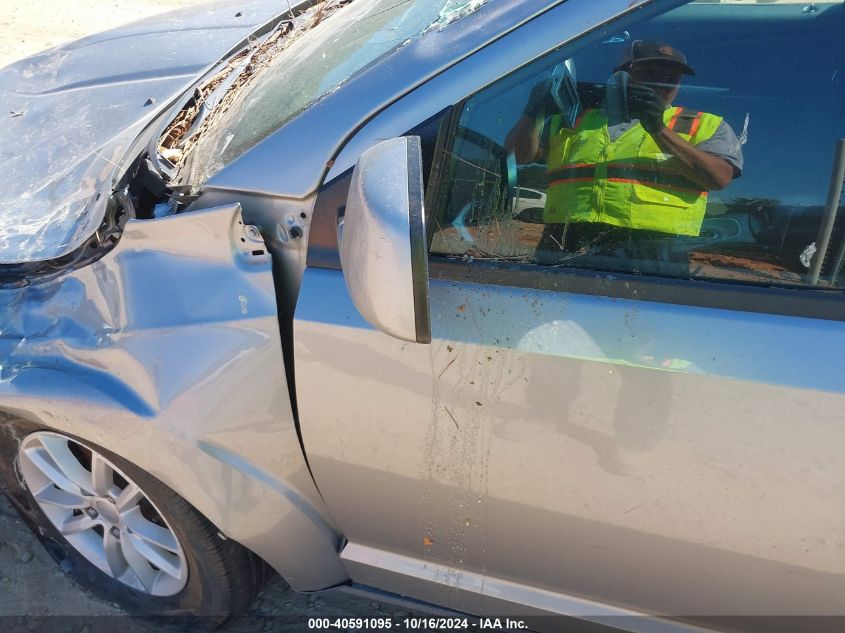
384	253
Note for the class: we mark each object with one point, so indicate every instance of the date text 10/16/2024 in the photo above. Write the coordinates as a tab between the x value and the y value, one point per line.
416	623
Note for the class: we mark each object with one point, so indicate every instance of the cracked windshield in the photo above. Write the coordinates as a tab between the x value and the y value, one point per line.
277	77
681	145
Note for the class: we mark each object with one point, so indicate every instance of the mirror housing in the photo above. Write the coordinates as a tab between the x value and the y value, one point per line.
383	249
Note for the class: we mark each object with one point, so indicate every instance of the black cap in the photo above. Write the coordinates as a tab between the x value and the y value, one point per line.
648	51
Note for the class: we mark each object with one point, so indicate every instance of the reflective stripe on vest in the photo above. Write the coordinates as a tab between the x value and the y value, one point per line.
627	182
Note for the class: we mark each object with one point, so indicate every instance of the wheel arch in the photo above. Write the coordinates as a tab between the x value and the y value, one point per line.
287	531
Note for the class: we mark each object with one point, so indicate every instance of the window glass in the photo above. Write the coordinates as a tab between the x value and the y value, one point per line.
337	41
700	143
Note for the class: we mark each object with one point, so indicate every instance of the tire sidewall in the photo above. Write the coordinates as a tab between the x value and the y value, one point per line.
202	595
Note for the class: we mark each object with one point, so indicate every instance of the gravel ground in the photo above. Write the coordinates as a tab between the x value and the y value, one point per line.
36	595
31	584
28	27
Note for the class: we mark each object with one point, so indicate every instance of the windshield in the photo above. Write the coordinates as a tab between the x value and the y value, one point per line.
326	48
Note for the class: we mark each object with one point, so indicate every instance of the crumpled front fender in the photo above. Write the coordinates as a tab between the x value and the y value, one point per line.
167	351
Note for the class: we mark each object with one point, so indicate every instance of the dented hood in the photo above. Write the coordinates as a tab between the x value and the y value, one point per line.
68	116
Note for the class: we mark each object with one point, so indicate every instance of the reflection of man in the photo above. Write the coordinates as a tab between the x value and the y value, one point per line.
628	178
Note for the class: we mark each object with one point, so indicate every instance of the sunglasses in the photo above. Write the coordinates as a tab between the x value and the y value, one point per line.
656	73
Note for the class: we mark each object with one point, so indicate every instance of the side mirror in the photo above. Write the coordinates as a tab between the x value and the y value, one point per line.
383	248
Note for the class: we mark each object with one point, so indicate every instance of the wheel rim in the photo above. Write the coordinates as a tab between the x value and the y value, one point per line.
103	514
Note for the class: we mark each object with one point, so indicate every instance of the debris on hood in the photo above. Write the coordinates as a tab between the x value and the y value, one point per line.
214	98
308	58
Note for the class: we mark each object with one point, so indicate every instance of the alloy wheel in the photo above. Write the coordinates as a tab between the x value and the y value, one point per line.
103	514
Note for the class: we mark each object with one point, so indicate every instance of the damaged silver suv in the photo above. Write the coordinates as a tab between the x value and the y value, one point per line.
514	308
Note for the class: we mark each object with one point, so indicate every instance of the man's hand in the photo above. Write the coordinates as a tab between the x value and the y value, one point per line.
708	170
647	106
524	138
538	102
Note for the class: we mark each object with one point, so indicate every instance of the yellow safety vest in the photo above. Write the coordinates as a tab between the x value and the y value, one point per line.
625	182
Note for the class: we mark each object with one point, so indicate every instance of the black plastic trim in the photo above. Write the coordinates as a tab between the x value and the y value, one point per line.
439	165
329	207
796	302
419	243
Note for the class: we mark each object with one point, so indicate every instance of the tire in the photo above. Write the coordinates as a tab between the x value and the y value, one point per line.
200	573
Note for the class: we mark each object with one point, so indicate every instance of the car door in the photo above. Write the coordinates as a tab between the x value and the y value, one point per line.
604	434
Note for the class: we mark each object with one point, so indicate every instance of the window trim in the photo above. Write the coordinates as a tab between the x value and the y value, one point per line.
744	297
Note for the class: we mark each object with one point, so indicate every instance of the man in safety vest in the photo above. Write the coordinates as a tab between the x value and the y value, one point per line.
617	184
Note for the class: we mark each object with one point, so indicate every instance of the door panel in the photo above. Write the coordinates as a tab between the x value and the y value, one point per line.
674	460
565	452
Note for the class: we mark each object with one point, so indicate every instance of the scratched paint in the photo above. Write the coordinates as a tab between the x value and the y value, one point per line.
468	381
